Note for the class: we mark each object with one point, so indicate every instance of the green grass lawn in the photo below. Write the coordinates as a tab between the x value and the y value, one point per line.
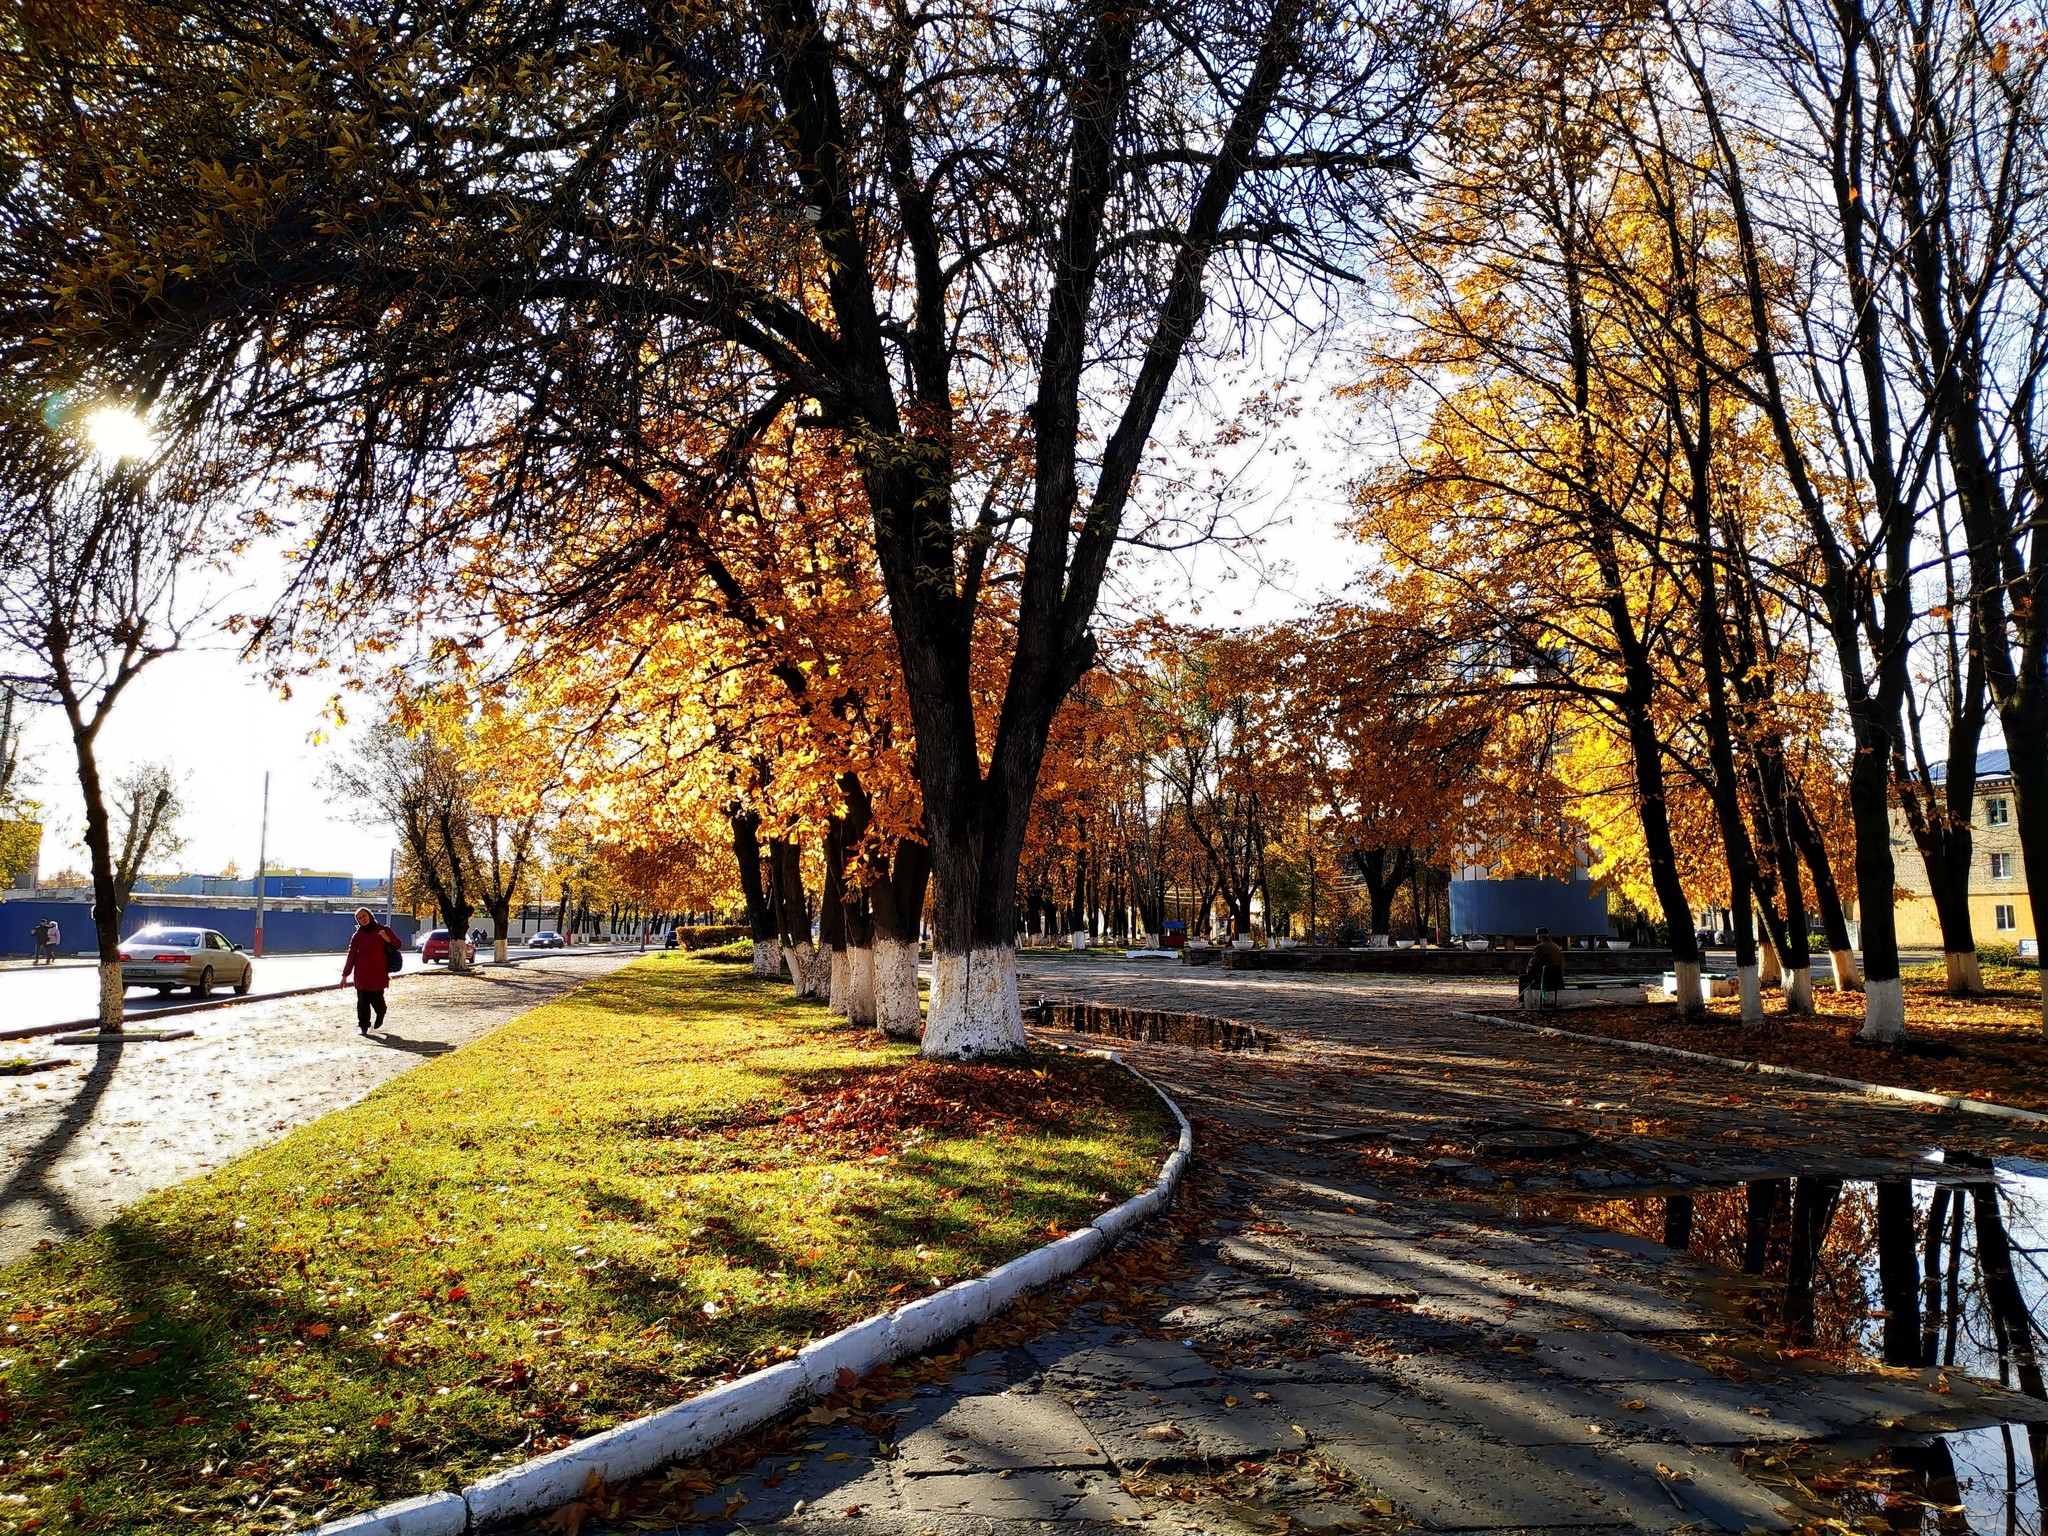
674	1174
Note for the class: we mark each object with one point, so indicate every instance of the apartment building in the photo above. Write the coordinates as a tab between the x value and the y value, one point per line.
1999	912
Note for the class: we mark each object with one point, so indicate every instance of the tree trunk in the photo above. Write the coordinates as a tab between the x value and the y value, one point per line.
898	903
793	918
746	852
1764	1199
1678	1212
1898	1272
1946	846
107	897
1813	1213
1930	1287
1827	896
500	909
1884	1006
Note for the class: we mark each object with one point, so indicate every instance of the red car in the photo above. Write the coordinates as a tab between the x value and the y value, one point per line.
436	948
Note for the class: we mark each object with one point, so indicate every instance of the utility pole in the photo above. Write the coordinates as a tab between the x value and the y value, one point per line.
262	853
391	890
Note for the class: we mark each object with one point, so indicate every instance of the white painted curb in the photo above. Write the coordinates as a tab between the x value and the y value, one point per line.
1772	1069
724	1413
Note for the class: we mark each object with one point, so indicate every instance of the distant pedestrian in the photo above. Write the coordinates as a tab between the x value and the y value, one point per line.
370	952
46	948
1545	970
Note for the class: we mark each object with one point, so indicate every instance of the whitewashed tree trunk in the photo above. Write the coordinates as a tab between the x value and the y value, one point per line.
113	996
1750	988
859	984
835	986
1770	971
1799	991
807	970
1884	1012
974	1008
1965	976
1688	993
898	1012
1847	977
767	960
501	950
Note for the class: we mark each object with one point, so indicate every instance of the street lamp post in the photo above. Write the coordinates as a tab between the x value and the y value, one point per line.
262	854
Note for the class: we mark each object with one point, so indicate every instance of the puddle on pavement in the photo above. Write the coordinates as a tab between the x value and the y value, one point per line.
1946	1270
1152	1025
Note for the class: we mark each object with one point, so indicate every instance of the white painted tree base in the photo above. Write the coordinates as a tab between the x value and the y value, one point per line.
1770	970
113	996
1884	1012
1847	977
1965	976
1799	990
807	969
860	985
898	1012
1688	994
767	958
1749	987
835	993
501	950
974	1010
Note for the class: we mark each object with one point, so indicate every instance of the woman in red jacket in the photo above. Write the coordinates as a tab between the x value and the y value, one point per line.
370	964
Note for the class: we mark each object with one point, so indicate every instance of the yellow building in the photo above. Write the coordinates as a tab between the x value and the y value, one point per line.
1999	911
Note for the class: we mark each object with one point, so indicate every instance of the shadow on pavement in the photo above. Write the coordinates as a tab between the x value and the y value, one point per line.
27	1185
415	1047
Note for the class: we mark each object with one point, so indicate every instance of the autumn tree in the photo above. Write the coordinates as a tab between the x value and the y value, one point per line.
433	237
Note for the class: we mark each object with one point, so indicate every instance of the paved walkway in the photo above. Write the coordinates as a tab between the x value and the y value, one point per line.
81	1142
1364	1338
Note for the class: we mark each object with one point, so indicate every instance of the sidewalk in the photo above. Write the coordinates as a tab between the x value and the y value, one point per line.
80	1143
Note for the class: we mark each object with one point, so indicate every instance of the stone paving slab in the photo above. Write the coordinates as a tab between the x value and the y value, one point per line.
1003	1431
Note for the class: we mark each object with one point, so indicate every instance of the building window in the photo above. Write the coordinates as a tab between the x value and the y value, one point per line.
2001	866
1997	811
2005	917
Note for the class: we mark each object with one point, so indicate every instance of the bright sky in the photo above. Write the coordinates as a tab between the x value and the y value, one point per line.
215	721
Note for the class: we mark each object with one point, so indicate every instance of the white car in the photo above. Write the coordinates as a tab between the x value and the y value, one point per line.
169	958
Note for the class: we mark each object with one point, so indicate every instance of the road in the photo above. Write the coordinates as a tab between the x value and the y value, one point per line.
65	994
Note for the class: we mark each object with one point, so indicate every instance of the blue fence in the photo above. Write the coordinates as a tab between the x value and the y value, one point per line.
284	933
1568	908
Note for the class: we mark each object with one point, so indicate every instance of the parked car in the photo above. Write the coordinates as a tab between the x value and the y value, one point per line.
435	948
547	938
199	958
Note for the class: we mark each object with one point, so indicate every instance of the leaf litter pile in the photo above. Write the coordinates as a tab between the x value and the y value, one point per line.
1988	1047
670	1177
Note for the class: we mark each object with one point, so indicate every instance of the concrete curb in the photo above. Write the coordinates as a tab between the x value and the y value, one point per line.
1772	1069
710	1419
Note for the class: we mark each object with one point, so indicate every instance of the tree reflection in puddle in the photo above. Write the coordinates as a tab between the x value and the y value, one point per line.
1944	1271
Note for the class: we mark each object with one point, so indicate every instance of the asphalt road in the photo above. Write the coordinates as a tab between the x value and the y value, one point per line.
64	994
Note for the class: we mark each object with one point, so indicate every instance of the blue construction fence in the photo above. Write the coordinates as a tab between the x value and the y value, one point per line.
284	932
1568	908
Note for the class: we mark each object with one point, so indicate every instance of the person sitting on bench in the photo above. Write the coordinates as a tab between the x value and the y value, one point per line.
1545	971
